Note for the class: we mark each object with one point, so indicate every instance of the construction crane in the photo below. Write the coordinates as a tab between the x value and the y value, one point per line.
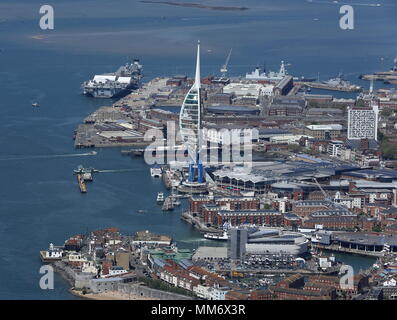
224	67
327	197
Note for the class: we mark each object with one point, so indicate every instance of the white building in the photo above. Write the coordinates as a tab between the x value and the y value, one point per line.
230	136
390	283
248	89
290	139
363	123
116	270
334	148
89	267
76	257
243	89
53	253
210	293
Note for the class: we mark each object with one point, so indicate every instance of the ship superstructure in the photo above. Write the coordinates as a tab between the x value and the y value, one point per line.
273	76
339	82
119	83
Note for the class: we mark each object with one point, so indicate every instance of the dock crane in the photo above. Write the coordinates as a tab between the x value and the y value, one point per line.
224	67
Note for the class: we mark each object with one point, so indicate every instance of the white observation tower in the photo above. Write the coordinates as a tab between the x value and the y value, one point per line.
190	122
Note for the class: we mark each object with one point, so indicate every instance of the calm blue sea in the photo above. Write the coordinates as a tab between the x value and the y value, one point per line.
39	199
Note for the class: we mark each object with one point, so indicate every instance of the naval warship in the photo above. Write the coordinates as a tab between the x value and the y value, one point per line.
272	76
116	84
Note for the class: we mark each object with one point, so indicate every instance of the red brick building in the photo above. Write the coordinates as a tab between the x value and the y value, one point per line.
305	208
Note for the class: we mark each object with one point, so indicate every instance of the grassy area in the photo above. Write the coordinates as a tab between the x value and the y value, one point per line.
161	285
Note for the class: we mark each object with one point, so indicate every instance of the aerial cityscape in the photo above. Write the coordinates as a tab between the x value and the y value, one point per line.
176	153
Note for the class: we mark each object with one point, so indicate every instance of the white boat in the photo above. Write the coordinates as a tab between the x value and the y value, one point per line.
35	104
160	197
156	172
217	236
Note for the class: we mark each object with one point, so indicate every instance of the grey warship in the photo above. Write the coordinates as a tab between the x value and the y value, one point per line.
116	84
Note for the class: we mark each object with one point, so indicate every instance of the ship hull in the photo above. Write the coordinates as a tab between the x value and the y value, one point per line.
108	93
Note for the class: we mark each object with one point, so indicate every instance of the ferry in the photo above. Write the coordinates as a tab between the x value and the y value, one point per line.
217	236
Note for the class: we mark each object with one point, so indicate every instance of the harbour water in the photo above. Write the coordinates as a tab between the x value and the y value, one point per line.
39	198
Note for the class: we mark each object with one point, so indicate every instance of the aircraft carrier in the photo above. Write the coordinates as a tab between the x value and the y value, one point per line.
116	84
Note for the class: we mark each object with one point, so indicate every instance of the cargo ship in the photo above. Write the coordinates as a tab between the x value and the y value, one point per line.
116	84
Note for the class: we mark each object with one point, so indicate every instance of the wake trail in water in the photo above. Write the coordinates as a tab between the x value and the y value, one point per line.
374	5
48	156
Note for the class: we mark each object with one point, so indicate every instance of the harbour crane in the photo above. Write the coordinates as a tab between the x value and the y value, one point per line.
224	67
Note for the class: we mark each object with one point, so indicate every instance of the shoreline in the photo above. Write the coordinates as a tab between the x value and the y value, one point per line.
110	295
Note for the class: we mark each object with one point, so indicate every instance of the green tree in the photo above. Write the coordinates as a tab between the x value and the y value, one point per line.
386	112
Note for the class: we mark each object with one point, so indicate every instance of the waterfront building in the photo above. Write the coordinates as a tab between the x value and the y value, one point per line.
265	242
52	254
238	242
284	86
365	242
146	237
326	131
215	216
362	123
196	203
244	89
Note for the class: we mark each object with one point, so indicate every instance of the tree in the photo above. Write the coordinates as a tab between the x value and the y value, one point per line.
386	112
389	150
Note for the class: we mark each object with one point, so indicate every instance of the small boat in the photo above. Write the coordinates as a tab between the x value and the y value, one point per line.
35	104
142	211
156	172
160	197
